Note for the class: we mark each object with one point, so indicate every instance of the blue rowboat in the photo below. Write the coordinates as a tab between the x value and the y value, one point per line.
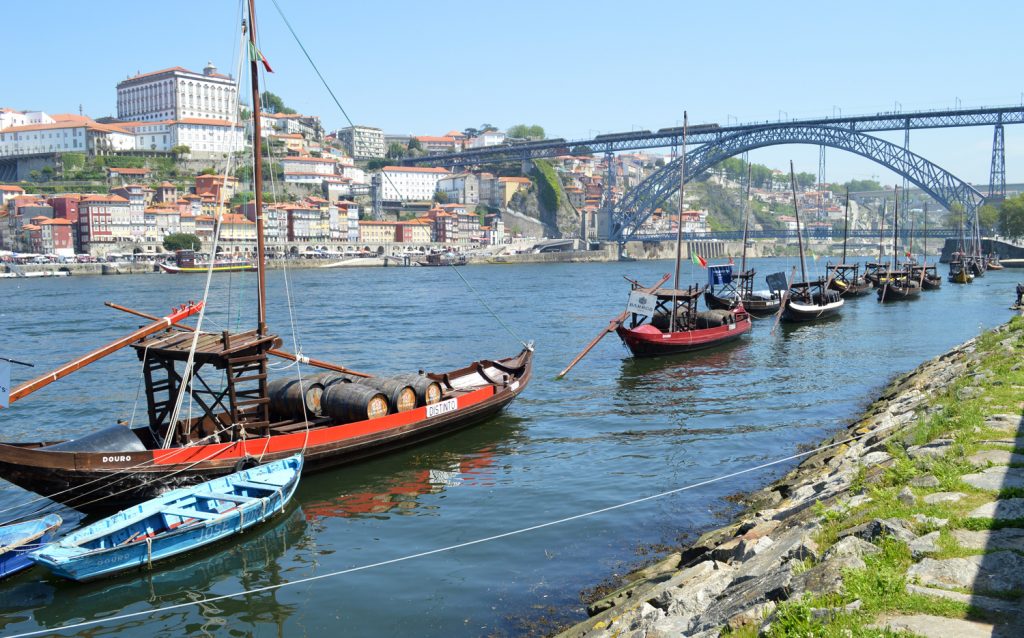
19	539
175	522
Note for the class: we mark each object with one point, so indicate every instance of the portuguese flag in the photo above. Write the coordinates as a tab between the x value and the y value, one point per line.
255	55
700	261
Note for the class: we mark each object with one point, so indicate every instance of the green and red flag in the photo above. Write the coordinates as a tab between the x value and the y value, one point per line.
700	261
255	55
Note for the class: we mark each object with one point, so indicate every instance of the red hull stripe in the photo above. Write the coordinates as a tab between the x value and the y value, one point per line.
294	442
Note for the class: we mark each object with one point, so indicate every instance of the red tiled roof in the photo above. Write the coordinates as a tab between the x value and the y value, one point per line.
104	198
59	221
129	171
414	169
10	188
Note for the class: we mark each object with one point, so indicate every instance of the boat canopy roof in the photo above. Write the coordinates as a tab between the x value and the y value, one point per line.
213	348
669	293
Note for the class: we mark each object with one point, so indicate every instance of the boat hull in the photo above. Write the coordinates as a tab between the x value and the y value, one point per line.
102	482
20	539
179	521
887	294
860	288
804	313
172	269
647	341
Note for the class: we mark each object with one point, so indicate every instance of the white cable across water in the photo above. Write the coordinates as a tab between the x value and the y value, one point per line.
449	548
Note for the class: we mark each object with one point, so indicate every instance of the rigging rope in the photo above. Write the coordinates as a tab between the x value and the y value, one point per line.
456	546
493	314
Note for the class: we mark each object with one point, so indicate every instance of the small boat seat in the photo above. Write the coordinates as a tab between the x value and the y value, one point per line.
258	485
184	513
233	498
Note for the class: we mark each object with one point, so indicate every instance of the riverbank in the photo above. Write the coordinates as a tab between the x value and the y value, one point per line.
911	519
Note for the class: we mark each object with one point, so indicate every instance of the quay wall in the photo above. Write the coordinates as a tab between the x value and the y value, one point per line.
875	528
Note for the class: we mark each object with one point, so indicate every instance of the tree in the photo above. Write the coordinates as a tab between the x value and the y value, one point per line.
414	145
1011	217
274	104
484	128
395	151
182	241
522	131
180	150
988	218
441	197
209	170
470	132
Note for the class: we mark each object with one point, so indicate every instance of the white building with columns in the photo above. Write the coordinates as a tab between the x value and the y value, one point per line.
178	94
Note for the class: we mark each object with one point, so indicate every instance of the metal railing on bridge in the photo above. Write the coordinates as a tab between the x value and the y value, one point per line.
812	233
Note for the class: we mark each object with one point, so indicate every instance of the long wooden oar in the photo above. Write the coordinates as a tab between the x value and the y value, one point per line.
159	323
277	353
612	325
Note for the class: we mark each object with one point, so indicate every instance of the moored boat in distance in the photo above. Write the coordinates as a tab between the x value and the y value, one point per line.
846	278
900	284
175	522
185	262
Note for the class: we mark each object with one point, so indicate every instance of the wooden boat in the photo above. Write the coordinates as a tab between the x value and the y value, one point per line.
18	540
959	273
928	276
846	278
993	262
900	284
185	262
443	259
225	377
664	322
804	300
175	522
674	325
757	303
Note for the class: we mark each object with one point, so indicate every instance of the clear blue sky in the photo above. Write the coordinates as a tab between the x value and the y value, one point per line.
576	68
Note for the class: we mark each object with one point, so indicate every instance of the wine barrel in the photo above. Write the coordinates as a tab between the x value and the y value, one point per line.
293	400
714	318
348	402
401	396
330	378
427	390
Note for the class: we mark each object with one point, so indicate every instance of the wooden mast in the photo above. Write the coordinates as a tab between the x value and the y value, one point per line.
924	260
799	233
257	152
679	227
746	221
881	228
895	227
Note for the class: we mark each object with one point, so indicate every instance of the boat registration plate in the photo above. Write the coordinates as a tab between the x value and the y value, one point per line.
443	407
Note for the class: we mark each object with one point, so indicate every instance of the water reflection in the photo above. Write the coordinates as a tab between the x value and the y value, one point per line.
395	486
247	562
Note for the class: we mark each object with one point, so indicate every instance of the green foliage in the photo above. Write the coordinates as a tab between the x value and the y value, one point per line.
181	241
441	197
180	149
548	189
414	145
395	151
855	186
1011	217
209	170
275	104
377	164
988	218
522	131
242	197
72	161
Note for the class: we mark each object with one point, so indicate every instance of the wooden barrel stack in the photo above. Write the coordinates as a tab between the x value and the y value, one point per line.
401	396
348	402
290	399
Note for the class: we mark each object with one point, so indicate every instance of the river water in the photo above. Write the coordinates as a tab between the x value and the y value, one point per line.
614	431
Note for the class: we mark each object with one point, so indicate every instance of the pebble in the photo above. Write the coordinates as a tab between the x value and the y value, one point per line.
943	497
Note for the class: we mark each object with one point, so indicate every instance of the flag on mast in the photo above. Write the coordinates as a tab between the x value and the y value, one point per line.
255	55
5	384
697	259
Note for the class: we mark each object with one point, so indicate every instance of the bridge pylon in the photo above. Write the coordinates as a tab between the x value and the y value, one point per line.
997	173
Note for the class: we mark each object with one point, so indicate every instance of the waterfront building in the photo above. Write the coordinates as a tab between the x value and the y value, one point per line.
410	183
307	170
65	207
102	223
460	188
351	213
416	231
57	237
305	224
377	232
490	138
176	94
362	142
217	187
136	196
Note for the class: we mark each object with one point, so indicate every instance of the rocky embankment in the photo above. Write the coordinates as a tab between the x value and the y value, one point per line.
911	520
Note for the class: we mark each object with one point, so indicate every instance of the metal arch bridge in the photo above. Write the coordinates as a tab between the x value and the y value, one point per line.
812	232
640	202
713	133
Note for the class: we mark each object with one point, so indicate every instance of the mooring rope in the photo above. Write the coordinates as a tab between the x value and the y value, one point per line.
449	548
493	314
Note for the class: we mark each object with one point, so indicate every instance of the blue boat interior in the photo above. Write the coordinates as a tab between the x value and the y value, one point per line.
192	509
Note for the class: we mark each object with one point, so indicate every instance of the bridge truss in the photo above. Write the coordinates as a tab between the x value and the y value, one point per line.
638	204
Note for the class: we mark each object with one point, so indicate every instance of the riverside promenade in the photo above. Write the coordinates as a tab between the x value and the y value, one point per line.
909	520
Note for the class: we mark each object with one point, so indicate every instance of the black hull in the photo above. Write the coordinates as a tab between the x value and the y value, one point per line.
887	294
931	284
807	314
861	289
714	302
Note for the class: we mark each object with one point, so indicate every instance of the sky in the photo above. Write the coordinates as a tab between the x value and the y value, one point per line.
576	68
